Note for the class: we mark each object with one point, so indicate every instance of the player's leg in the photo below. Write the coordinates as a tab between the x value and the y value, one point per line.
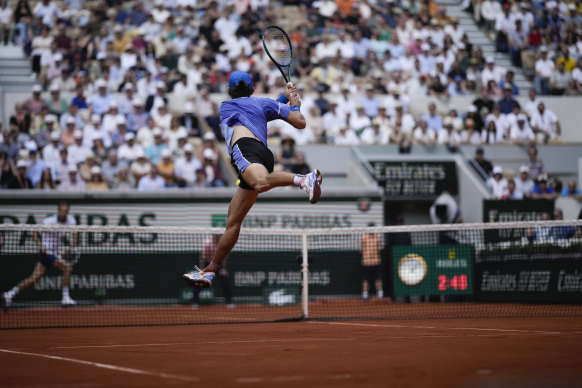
241	203
37	272
379	290
67	269
364	289
257	176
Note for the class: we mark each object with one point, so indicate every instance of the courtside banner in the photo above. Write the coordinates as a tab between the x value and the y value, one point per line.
513	211
416	178
282	213
432	269
550	274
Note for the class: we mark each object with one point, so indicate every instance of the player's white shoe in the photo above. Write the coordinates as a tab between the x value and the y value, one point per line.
68	302
5	301
311	185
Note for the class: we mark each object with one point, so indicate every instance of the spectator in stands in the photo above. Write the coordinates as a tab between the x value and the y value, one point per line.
448	136
512	192
286	154
41	48
445	210
535	165
154	151
492	72
491	134
345	136
572	191
7	26
36	103
524	183
497	184
118	138
20	121
158	99
545	124
130	151
138	117
72	182
424	135
166	168
531	106
543	190
376	134
507	103
111	167
46	182
520	132
124	180
78	151
35	165
540	233
433	120
152	181
577	76
560	80
518	41
140	166
189	121
212	173
20	180
561	232
544	68
97	182
23	18
186	166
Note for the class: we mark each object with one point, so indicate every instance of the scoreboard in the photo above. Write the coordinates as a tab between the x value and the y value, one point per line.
432	269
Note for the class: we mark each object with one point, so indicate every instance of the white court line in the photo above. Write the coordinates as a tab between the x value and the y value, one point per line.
203	343
439	328
105	366
251	380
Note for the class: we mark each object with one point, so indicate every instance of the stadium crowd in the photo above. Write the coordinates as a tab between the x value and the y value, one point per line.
130	86
542	37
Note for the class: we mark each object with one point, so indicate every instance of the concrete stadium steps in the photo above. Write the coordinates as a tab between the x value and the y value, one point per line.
480	38
15	69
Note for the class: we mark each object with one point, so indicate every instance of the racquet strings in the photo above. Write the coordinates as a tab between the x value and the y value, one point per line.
278	46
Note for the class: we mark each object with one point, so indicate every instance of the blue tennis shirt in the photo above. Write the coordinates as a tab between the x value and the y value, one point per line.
251	112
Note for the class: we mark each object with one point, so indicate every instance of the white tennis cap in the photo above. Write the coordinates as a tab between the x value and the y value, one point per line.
166	153
121	120
21	163
209	136
188	107
49	118
188	148
78	134
96	119
55	135
95	170
497	170
129	136
157	131
209	154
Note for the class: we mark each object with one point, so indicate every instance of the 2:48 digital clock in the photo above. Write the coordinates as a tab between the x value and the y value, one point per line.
455	282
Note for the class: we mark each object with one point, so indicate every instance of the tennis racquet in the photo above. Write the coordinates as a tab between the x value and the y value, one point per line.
72	257
278	47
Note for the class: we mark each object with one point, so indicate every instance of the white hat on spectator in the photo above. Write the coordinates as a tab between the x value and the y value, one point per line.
54	88
209	136
118	28
543	49
182	135
164	70
37	89
472	109
70	120
448	121
31	146
101	55
209	154
95	118
128	86
521	117
72	168
160	85
21	163
95	170
129	136
113	104
497	170
55	136
524	4
139	154
452	107
159	3
100	83
97	136
471	77
121	120
188	107
49	118
141	30
425	47
78	134
300	86
137	102
188	148
551	5
489	59
166	153
157	131
524	168
57	57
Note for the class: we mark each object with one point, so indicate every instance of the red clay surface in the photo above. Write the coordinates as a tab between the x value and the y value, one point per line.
516	352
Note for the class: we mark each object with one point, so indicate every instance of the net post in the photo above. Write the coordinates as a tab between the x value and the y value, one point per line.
304	276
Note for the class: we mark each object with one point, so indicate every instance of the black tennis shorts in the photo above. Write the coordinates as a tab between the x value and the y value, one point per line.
246	151
370	273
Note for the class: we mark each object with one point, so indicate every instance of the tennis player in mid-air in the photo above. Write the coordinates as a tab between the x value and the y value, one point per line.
49	246
244	125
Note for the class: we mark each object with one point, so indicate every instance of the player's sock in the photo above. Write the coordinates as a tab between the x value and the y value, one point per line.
12	293
380	294
66	292
298	179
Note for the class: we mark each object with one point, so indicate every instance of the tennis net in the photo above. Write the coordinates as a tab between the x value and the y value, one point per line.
132	275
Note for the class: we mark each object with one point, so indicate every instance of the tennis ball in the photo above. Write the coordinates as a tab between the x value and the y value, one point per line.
238	182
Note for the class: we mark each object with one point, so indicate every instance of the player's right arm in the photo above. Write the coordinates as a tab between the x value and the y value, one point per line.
295	117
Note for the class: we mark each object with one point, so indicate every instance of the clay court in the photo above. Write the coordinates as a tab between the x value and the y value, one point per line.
501	352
